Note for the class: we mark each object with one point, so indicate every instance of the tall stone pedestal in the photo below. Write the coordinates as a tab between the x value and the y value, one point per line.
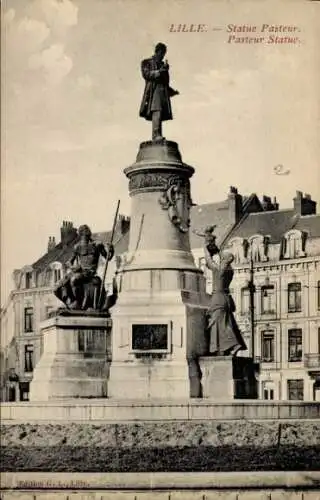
159	318
217	378
225	378
74	361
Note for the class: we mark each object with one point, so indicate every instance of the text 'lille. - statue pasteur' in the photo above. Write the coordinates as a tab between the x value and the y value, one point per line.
156	105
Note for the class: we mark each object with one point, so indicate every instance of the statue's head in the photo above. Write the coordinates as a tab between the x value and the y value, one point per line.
85	231
160	51
209	230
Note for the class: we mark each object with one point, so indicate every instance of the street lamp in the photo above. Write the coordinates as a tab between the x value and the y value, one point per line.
252	291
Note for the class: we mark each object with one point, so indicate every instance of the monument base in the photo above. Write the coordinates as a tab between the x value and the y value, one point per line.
225	378
74	360
147	377
217	377
156	344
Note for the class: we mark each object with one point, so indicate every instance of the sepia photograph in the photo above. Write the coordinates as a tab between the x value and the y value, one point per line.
160	250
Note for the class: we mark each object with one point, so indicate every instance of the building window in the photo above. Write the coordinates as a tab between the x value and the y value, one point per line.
245	300
295	344
294	297
318	295
267	390
28	279
57	275
267	346
28	358
268	394
28	319
47	277
295	390
267	299
24	391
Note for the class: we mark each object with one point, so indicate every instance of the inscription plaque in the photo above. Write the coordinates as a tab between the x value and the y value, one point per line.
150	338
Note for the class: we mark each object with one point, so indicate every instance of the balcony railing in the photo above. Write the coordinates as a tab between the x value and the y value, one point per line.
312	360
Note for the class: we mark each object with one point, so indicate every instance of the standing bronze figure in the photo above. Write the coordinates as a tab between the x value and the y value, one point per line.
224	335
156	105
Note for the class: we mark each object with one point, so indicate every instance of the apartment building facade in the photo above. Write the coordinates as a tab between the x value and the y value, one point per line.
277	252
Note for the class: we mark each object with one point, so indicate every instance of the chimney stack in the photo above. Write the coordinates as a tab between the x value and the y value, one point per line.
68	233
304	205
51	243
269	205
234	205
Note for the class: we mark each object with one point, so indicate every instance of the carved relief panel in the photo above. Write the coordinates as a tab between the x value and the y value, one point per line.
177	200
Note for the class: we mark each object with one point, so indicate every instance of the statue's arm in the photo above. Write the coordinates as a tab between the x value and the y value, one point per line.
209	262
73	257
106	252
148	73
198	233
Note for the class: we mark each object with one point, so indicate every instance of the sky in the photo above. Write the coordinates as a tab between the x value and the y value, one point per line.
71	91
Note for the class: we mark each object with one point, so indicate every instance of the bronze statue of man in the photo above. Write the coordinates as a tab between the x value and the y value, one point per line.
156	105
82	289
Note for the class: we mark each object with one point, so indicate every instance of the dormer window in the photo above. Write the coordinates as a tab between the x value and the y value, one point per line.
28	279
57	275
294	244
238	247
258	248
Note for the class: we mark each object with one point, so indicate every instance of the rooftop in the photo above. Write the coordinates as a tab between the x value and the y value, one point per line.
238	215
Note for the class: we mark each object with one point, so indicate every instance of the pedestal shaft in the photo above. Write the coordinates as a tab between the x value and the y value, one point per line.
74	362
162	292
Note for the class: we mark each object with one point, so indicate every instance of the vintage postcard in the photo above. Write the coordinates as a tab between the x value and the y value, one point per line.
160	249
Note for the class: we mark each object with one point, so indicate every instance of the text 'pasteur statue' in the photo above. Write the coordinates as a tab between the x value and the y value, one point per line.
156	104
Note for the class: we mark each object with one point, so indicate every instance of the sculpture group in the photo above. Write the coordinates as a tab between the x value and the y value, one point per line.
82	289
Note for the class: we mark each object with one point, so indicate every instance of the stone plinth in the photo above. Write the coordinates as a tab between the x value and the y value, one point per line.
159	318
74	362
225	378
217	377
